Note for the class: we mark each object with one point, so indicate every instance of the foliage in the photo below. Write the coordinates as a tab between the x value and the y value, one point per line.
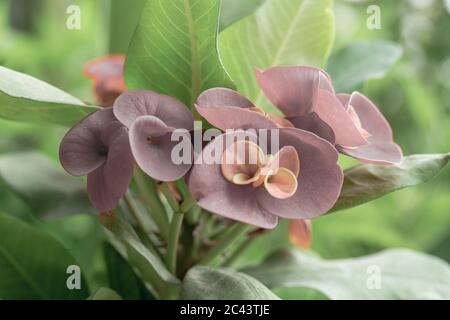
182	48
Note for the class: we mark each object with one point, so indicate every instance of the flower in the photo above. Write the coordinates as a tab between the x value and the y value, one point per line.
151	119
227	109
351	122
106	74
298	180
300	233
98	146
381	149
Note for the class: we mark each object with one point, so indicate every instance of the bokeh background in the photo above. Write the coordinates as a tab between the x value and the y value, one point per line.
414	96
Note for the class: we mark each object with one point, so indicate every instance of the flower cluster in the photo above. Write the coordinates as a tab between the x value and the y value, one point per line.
255	180
106	144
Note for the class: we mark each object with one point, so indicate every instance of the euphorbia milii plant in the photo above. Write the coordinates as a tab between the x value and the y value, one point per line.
191	209
252	181
352	122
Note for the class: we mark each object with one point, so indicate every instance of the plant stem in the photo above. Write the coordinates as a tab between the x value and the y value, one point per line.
174	235
182	186
230	235
240	250
148	192
173	203
132	208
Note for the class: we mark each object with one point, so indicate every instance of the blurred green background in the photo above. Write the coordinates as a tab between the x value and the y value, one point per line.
414	96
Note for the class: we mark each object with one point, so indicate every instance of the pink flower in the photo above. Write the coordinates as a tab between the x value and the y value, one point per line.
352	122
300	180
98	147
151	118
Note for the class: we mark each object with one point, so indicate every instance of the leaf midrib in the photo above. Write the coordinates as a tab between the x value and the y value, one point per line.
283	45
195	66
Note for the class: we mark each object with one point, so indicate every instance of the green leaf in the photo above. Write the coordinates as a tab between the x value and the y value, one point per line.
366	182
222	284
105	294
24	98
33	265
174	49
82	235
353	65
390	274
45	187
121	276
124	17
234	10
281	32
148	263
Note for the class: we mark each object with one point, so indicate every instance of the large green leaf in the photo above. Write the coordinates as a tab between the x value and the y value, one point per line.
174	49
281	32
33	265
123	19
82	235
234	10
391	274
362	61
24	98
364	183
222	284
149	265
45	187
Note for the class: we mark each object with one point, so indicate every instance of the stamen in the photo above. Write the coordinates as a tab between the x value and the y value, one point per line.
276	173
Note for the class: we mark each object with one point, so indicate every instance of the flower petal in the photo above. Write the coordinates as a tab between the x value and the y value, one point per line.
223	97
107	184
281	185
280	121
79	150
381	148
383	153
99	194
217	195
288	158
241	162
155	157
235	118
330	110
319	182
292	89
133	104
120	163
371	118
312	123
